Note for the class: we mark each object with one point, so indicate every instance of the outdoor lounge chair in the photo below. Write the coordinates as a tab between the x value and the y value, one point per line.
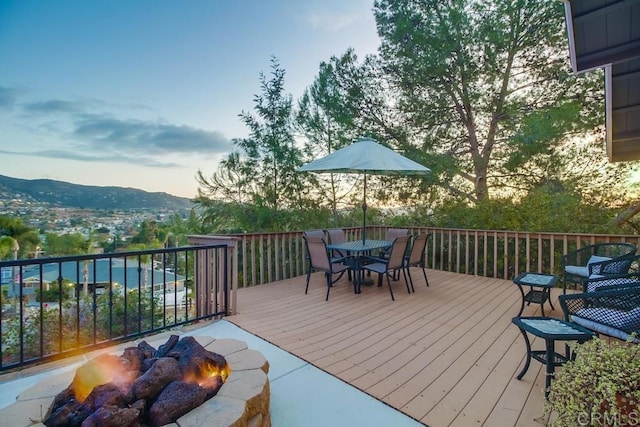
619	271
319	260
388	266
614	312
602	283
578	265
416	257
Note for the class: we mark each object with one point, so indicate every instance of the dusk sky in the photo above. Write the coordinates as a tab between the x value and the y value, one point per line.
144	93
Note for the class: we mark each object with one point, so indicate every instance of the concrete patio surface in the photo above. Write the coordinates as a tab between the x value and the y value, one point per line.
301	394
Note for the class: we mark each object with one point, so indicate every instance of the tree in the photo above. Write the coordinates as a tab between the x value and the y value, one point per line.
9	247
65	244
147	233
17	232
231	182
327	125
486	90
261	171
350	99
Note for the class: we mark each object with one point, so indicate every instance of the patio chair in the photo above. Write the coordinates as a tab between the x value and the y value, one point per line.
337	235
416	257
388	266
315	233
577	265
392	233
319	260
614	312
390	236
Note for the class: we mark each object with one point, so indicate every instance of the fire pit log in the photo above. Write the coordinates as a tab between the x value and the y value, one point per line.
166	347
71	413
108	394
176	399
112	416
139	387
151	383
242	400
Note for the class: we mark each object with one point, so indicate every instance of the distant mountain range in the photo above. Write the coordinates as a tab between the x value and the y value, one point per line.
64	194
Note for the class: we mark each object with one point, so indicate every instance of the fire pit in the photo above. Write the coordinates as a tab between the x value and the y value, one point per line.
141	386
181	382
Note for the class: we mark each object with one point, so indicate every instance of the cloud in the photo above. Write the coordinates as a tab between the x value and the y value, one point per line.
110	131
329	21
55	106
72	155
7	97
150	137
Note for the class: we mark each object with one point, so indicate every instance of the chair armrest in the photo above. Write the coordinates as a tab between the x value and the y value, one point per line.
579	257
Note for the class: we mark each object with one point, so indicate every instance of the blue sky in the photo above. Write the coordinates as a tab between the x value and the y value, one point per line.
144	93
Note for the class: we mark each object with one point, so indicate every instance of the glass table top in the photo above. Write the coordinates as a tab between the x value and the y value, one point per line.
536	279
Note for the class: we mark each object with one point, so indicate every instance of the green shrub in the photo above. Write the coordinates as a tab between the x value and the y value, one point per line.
76	326
601	387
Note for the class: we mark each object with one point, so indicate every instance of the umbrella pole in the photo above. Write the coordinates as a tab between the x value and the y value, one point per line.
364	211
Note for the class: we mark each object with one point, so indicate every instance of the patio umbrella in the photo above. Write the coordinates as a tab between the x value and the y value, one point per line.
368	157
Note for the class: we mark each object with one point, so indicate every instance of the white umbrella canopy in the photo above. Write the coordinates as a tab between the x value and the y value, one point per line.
365	156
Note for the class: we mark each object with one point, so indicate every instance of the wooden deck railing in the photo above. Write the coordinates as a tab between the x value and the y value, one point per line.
267	257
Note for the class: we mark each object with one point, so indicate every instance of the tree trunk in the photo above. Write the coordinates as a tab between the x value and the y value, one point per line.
481	187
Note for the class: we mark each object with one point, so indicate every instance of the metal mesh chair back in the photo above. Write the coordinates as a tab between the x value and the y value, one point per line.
317	250
392	233
314	233
416	256
398	249
336	235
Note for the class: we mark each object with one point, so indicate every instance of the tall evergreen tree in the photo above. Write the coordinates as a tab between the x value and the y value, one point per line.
263	166
326	124
271	153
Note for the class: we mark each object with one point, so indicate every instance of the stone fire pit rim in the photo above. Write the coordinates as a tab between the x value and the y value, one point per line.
244	398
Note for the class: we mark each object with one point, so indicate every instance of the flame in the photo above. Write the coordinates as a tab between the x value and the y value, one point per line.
102	371
105	369
208	371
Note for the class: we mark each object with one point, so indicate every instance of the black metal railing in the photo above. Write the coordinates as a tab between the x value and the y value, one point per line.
57	307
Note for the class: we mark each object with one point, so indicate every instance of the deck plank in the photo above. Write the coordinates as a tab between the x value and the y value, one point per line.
444	355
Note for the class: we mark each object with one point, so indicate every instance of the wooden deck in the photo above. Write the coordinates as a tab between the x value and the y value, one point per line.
446	355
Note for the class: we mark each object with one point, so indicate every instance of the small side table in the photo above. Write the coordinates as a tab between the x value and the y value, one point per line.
551	330
537	296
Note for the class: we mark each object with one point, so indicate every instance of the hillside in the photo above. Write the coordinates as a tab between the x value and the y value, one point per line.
64	194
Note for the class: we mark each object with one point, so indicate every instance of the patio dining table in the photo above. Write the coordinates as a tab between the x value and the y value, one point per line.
358	249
